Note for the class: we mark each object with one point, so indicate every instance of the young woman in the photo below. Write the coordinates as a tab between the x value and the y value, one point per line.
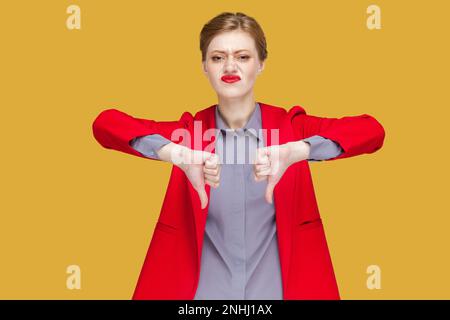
240	218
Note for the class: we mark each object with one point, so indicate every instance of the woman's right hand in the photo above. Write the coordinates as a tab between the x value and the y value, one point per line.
200	167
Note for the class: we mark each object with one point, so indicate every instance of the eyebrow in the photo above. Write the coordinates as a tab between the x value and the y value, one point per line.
220	51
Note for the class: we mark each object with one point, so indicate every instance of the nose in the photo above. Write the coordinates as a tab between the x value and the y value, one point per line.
230	65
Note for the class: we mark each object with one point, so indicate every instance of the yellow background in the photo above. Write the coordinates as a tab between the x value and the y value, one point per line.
66	200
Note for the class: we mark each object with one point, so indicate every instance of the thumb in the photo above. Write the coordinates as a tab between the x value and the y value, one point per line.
269	190
203	196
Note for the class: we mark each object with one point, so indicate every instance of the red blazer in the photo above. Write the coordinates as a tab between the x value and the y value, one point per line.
172	265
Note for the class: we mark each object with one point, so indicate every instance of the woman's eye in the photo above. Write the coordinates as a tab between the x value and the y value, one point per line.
217	58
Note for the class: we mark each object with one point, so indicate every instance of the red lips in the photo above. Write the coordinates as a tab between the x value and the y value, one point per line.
230	79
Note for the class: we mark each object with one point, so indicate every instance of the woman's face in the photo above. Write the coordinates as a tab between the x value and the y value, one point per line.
232	54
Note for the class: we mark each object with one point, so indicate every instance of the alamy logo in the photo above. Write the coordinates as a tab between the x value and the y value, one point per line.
374	19
73	281
374	280
238	151
74	19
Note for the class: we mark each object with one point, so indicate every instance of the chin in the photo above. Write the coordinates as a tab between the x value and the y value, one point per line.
231	95
231	92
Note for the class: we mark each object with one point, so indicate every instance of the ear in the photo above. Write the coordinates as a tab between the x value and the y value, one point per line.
205	71
261	68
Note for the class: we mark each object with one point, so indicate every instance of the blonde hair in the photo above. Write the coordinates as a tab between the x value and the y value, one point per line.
228	21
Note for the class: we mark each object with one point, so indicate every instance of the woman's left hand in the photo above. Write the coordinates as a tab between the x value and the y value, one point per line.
271	162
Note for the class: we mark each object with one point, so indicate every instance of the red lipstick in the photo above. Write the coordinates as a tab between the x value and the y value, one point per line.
230	79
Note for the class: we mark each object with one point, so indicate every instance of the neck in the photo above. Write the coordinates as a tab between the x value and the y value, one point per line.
236	111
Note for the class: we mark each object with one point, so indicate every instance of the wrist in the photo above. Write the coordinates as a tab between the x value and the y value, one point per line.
173	153
299	150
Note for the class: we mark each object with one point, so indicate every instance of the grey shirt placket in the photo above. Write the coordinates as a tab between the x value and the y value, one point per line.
240	254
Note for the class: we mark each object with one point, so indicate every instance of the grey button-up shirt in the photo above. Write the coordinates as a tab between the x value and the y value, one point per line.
240	252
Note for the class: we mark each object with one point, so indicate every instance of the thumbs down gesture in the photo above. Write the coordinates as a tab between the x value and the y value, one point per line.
271	163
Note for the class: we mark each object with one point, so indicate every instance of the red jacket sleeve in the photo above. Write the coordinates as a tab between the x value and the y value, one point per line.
355	134
114	129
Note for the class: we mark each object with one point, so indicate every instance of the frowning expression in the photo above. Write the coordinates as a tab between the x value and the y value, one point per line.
232	63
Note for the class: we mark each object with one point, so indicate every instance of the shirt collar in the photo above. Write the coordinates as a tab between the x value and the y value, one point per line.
253	123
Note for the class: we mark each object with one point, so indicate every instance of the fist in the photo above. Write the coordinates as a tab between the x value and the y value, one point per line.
271	163
201	168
